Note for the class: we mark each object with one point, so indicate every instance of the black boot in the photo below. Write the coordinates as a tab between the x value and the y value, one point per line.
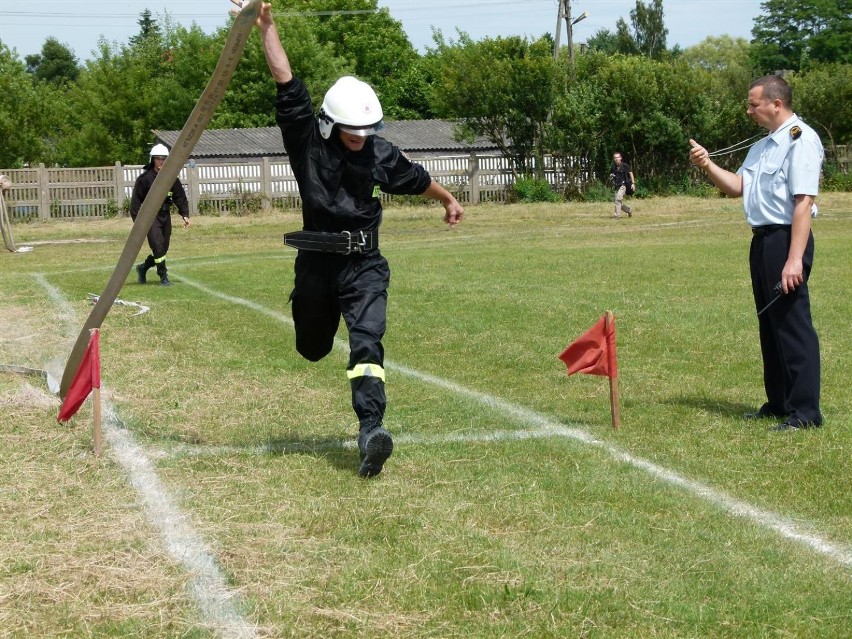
142	269
375	445
163	272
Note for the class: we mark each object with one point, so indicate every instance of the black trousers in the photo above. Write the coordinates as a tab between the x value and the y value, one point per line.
788	341
159	238
329	286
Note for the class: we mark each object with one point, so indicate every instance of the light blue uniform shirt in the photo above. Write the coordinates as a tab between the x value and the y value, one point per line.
778	168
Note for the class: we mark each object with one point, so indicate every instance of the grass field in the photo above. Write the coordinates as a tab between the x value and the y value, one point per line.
228	504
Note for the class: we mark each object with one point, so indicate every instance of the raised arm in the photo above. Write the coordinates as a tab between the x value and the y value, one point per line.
276	58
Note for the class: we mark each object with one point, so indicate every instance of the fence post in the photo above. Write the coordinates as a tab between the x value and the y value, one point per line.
842	157
193	188
473	177
43	193
118	179
266	184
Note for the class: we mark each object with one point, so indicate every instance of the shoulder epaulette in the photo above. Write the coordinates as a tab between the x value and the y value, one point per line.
795	133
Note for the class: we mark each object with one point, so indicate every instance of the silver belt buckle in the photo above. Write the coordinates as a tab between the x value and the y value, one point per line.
359	245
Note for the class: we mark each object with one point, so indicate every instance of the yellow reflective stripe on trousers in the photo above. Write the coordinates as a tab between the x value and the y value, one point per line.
157	260
366	370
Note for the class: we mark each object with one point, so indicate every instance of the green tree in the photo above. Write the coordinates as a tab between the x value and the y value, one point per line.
574	135
148	28
624	39
645	108
604	41
500	88
26	114
649	29
823	97
250	99
376	48
792	35
727	62
114	105
719	54
56	63
405	96
646	35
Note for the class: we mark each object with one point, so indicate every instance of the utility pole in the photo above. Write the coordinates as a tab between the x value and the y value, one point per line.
565	13
558	32
569	27
565	10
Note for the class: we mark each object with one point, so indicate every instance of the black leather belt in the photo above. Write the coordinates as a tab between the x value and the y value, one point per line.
344	243
768	229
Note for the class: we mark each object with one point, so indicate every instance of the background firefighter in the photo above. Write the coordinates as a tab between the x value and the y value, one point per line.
159	236
341	167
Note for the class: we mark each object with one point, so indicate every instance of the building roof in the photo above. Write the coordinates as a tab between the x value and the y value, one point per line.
414	136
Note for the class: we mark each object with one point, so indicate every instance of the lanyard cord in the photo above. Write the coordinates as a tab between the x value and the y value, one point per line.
739	146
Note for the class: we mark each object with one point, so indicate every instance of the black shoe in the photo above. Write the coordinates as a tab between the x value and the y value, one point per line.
164	280
763	413
376	446
791	423
141	278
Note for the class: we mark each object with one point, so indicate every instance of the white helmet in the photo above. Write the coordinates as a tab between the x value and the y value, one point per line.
159	151
353	106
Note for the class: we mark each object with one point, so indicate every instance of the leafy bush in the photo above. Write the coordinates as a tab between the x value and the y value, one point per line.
833	179
530	189
111	209
594	192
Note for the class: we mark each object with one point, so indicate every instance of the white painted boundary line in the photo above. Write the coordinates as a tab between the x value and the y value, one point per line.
218	604
838	552
443	236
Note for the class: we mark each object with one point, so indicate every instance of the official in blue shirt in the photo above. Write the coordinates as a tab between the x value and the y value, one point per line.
778	182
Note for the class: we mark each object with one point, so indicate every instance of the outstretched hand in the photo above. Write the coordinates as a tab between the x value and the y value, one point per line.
454	212
698	155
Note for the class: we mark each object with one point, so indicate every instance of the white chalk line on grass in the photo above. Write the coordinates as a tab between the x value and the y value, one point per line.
403	241
838	552
218	604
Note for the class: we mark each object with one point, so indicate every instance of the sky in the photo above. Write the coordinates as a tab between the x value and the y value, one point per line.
24	26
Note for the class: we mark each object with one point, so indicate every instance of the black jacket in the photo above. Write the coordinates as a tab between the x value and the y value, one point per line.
621	174
176	196
339	188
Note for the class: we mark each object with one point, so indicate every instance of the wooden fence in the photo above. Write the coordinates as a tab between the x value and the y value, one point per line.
57	193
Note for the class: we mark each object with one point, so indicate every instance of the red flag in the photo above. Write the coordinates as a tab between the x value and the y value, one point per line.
593	352
88	376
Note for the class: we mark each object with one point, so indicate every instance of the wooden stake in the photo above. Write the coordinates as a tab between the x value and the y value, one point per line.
96	398
96	409
5	223
614	403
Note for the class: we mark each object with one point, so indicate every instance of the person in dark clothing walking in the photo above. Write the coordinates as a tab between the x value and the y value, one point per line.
622	174
161	230
341	167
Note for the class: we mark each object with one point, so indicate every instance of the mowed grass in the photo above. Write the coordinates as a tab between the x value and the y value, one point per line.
481	525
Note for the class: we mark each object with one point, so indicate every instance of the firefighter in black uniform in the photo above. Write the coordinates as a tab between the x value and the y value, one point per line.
341	167
161	230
